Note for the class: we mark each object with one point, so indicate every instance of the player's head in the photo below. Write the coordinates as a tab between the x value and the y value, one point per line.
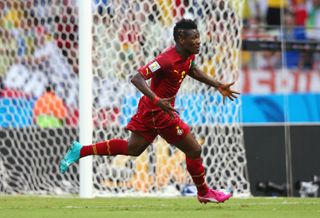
186	35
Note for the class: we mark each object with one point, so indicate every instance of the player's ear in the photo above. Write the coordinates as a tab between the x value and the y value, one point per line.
180	36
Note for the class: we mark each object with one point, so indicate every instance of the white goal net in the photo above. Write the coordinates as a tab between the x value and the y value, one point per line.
39	51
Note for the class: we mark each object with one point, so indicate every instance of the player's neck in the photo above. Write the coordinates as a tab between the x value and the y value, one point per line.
183	53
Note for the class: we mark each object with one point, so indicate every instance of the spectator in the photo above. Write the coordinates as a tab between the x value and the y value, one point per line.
66	33
7	50
49	110
268	60
313	21
292	32
251	10
313	32
1	84
300	11
273	16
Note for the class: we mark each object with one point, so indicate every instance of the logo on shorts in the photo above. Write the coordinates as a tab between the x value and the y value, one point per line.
154	66
179	130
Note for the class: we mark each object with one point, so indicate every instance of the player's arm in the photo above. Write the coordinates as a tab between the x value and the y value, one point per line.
224	89
164	103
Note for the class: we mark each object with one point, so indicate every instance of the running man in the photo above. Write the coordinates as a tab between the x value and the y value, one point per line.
156	114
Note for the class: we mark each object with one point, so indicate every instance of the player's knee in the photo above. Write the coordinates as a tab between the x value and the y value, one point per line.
134	151
198	151
195	153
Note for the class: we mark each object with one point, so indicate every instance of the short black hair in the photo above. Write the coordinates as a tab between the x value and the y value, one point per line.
183	24
48	89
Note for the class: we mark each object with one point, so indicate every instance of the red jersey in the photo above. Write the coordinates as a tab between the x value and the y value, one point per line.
167	71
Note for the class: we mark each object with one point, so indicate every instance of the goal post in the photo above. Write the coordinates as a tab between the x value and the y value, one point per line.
58	43
85	94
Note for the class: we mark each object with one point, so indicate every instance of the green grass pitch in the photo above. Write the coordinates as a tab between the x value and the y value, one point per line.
71	207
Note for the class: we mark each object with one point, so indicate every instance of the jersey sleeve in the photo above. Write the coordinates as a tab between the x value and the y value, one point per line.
158	65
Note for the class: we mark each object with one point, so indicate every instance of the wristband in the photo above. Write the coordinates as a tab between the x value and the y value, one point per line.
155	100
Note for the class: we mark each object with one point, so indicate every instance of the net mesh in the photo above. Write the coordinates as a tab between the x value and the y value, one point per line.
39	51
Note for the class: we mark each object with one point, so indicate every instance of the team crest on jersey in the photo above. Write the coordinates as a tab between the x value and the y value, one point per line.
154	66
179	130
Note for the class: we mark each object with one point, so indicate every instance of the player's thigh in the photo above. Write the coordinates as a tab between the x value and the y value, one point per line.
189	145
137	144
178	134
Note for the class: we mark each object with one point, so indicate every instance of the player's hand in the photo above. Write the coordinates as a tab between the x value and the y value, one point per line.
225	91
164	104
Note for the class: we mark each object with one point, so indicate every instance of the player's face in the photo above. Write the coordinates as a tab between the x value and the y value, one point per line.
191	41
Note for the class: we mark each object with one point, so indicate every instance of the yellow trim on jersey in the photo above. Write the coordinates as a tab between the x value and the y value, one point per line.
94	148
108	148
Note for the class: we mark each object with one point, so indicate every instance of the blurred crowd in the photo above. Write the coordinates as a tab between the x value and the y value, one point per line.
39	52
38	39
286	20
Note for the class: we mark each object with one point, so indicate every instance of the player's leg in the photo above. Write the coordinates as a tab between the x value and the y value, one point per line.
192	150
137	144
134	147
178	134
189	145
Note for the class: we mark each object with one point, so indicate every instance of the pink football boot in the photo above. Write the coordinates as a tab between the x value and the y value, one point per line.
214	196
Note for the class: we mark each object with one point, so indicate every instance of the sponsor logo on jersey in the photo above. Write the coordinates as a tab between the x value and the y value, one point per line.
147	71
154	66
